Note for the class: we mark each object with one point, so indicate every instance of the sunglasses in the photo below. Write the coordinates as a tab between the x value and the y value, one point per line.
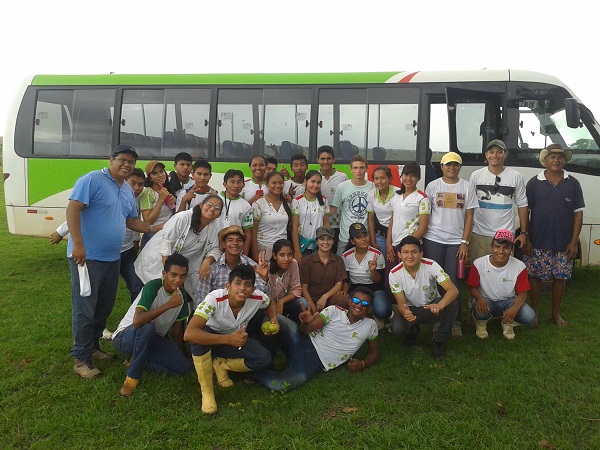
363	303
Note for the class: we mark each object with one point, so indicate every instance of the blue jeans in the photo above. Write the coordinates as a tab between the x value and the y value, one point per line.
399	326
293	308
380	239
526	315
158	353
255	356
303	362
382	307
89	314
127	270
445	256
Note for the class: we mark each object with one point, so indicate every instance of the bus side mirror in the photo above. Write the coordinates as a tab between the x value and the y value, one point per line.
572	113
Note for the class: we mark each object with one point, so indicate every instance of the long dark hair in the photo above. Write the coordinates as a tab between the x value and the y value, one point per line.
148	181
197	211
283	202
277	246
309	175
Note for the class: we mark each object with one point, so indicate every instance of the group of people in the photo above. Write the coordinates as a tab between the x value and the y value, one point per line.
313	262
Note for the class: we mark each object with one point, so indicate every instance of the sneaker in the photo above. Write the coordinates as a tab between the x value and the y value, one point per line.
101	355
410	339
380	323
107	334
86	369
438	351
456	329
128	387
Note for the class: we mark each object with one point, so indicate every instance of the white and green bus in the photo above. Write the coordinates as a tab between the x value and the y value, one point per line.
62	126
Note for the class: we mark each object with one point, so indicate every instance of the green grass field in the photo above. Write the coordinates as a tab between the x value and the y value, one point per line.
540	391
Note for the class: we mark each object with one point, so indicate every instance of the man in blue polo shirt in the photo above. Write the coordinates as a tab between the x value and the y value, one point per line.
556	207
101	205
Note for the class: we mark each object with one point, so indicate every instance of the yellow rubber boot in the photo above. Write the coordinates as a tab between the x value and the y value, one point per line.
481	329
204	369
222	367
507	330
128	387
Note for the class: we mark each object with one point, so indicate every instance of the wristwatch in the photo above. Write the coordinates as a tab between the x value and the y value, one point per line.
525	233
463	241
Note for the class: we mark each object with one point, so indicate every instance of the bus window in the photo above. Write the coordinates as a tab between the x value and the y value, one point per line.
73	122
392	124
342	121
285	122
237	121
142	118
159	123
473	128
438	131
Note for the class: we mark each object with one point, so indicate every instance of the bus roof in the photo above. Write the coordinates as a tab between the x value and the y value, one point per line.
296	78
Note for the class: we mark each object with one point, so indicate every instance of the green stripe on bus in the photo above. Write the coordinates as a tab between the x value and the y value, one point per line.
191	79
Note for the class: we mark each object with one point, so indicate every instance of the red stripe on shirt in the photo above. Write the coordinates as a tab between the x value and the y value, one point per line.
220	299
397	268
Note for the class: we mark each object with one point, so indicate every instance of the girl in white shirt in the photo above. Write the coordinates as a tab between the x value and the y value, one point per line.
380	208
309	212
272	217
411	210
157	202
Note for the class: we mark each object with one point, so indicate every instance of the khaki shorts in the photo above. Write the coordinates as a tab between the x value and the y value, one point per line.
480	246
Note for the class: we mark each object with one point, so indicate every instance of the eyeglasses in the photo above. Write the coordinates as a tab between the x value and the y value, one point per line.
363	303
213	206
125	161
496	187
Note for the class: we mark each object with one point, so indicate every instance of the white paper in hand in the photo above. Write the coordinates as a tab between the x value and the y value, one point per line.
84	281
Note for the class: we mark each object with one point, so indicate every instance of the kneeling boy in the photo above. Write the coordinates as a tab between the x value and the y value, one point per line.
414	284
499	284
219	326
160	306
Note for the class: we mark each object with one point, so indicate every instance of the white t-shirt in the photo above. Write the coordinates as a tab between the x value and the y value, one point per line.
499	283
406	214
382	210
351	200
422	289
236	211
250	188
197	200
219	316
328	188
310	214
339	339
449	204
272	224
496	201
359	272
299	188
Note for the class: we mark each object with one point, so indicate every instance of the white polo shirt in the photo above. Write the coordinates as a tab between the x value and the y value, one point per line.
250	188
236	211
219	317
406	214
422	289
310	214
359	272
272	224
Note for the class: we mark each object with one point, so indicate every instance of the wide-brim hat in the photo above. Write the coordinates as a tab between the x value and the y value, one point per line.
555	148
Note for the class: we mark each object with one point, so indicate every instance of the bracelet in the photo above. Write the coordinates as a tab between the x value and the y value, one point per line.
464	241
149	228
363	362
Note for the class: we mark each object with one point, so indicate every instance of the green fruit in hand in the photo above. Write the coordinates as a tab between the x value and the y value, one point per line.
272	328
265	327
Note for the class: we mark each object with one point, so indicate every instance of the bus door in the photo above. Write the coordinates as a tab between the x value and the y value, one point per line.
474	119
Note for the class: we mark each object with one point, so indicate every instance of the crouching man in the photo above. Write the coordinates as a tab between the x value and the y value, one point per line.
414	284
499	284
162	305
324	341
219	327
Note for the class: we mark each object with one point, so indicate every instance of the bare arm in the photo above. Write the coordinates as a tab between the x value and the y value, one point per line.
371	220
571	249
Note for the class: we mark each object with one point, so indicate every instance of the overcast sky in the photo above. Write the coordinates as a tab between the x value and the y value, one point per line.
176	36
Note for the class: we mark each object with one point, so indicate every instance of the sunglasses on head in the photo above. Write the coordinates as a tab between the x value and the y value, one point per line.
363	303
